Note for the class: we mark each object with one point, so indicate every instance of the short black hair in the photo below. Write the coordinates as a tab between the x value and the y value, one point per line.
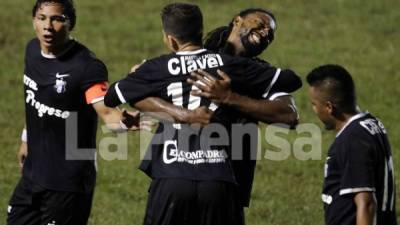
68	5
338	85
217	38
183	21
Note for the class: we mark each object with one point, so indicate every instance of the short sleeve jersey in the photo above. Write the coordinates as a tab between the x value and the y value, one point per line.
359	160
181	155
54	90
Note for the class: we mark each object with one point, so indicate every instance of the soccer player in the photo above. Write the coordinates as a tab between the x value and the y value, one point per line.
248	34
61	77
193	182
359	186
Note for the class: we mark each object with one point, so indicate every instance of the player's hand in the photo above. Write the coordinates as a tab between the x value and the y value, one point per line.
22	153
133	121
217	90
135	67
200	116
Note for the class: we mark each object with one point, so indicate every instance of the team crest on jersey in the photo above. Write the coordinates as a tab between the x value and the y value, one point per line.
61	84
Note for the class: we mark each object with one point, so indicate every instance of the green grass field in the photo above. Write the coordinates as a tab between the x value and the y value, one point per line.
364	36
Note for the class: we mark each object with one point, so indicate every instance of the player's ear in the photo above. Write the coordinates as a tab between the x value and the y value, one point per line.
329	107
168	41
173	43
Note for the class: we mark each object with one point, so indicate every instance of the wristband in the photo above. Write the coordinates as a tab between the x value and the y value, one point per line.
24	135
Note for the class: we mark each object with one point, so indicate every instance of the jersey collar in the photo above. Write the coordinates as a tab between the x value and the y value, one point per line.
355	117
191	52
51	56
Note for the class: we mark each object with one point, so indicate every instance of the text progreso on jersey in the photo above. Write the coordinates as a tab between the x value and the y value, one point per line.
40	107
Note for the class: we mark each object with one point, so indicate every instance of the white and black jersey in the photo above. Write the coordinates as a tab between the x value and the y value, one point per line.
359	160
175	155
54	90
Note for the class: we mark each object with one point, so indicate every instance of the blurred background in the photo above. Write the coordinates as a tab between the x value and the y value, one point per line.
363	36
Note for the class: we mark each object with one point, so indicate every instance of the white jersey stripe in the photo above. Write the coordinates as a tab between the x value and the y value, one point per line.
385	189
393	184
274	79
119	93
356	190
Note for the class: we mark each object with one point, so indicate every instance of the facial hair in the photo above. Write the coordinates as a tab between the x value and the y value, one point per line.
252	50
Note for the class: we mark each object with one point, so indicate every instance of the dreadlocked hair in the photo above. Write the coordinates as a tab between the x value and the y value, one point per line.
216	39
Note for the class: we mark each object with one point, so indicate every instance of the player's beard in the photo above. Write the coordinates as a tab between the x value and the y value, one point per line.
252	50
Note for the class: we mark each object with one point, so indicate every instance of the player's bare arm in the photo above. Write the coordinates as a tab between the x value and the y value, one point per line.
279	110
164	110
114	117
366	206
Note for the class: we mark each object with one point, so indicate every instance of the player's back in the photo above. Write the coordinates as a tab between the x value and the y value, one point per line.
359	160
184	152
166	76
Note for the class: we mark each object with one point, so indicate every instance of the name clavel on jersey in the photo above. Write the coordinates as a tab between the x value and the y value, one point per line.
188	63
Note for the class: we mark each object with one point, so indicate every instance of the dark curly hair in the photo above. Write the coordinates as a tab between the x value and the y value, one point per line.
68	5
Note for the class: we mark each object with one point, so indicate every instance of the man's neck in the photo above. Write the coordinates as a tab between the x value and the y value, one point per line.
340	123
56	50
188	47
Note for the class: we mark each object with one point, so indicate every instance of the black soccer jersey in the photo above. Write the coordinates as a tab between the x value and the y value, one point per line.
55	92
359	160
179	153
244	167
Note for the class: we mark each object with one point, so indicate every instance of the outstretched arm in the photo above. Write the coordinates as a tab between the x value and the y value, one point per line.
115	119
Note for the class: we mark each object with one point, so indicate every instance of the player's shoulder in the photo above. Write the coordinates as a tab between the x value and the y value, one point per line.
156	64
229	59
33	43
260	61
364	126
32	47
82	52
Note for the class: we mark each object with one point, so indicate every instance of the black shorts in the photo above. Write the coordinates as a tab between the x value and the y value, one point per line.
32	204
239	208
187	202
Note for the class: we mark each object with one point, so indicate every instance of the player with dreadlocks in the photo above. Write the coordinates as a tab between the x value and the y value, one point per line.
247	35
